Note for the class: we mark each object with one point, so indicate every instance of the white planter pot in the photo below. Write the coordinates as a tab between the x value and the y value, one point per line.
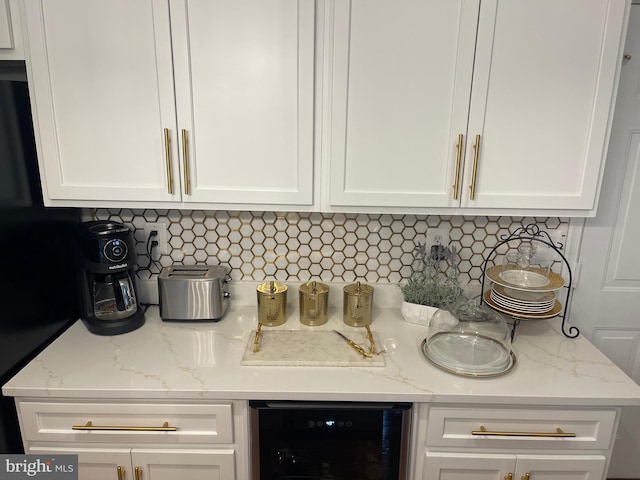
420	314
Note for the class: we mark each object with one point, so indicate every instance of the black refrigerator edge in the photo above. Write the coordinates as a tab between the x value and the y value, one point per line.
38	299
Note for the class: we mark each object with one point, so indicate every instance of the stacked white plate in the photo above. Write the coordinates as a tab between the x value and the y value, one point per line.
521	301
524	293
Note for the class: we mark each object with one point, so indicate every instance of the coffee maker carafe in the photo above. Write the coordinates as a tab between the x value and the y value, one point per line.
113	296
106	261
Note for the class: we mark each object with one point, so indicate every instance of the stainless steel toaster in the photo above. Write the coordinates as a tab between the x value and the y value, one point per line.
193	292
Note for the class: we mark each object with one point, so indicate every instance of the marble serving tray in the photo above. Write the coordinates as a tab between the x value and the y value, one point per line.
322	348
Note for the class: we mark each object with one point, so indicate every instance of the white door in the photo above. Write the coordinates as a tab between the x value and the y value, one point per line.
101	84
542	84
467	466
400	91
96	463
607	300
183	464
244	75
566	467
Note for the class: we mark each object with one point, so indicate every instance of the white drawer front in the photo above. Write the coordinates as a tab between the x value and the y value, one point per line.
449	427
195	423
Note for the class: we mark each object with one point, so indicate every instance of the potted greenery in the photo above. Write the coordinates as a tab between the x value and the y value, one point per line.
432	285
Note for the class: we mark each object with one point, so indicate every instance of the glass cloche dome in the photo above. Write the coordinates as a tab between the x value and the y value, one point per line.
469	339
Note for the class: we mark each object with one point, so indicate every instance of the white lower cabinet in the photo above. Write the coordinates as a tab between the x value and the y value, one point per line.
502	442
457	466
148	464
133	440
94	463
164	440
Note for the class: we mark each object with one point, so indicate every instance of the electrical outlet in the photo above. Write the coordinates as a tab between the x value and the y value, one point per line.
437	236
162	238
437	242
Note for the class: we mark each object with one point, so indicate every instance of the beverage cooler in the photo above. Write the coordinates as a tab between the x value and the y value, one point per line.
329	440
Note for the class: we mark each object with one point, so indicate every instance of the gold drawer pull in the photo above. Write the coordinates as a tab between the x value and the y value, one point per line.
138	473
121	473
167	155
456	185
90	426
557	433
185	160
476	152
509	477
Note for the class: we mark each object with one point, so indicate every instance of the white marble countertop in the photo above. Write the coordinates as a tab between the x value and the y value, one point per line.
165	360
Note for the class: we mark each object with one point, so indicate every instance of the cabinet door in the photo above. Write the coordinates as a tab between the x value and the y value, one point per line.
454	466
95	463
400	95
173	464
100	75
463	466
6	28
567	467
11	45
542	89
244	75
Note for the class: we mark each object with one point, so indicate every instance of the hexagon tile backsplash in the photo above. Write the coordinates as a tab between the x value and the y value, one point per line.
302	246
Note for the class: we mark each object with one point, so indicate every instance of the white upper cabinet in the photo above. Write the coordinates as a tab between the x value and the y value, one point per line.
245	99
102	93
543	86
10	31
174	103
6	29
402	74
532	80
226	104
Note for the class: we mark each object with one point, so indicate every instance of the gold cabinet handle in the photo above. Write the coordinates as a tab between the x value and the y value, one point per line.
476	151
557	433
509	477
185	159
90	426
456	185
121	473
138	473
167	155
525	476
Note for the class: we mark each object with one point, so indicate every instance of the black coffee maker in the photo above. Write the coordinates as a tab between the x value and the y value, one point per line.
106	259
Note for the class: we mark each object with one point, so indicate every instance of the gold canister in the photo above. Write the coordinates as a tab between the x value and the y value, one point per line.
272	304
357	305
314	301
